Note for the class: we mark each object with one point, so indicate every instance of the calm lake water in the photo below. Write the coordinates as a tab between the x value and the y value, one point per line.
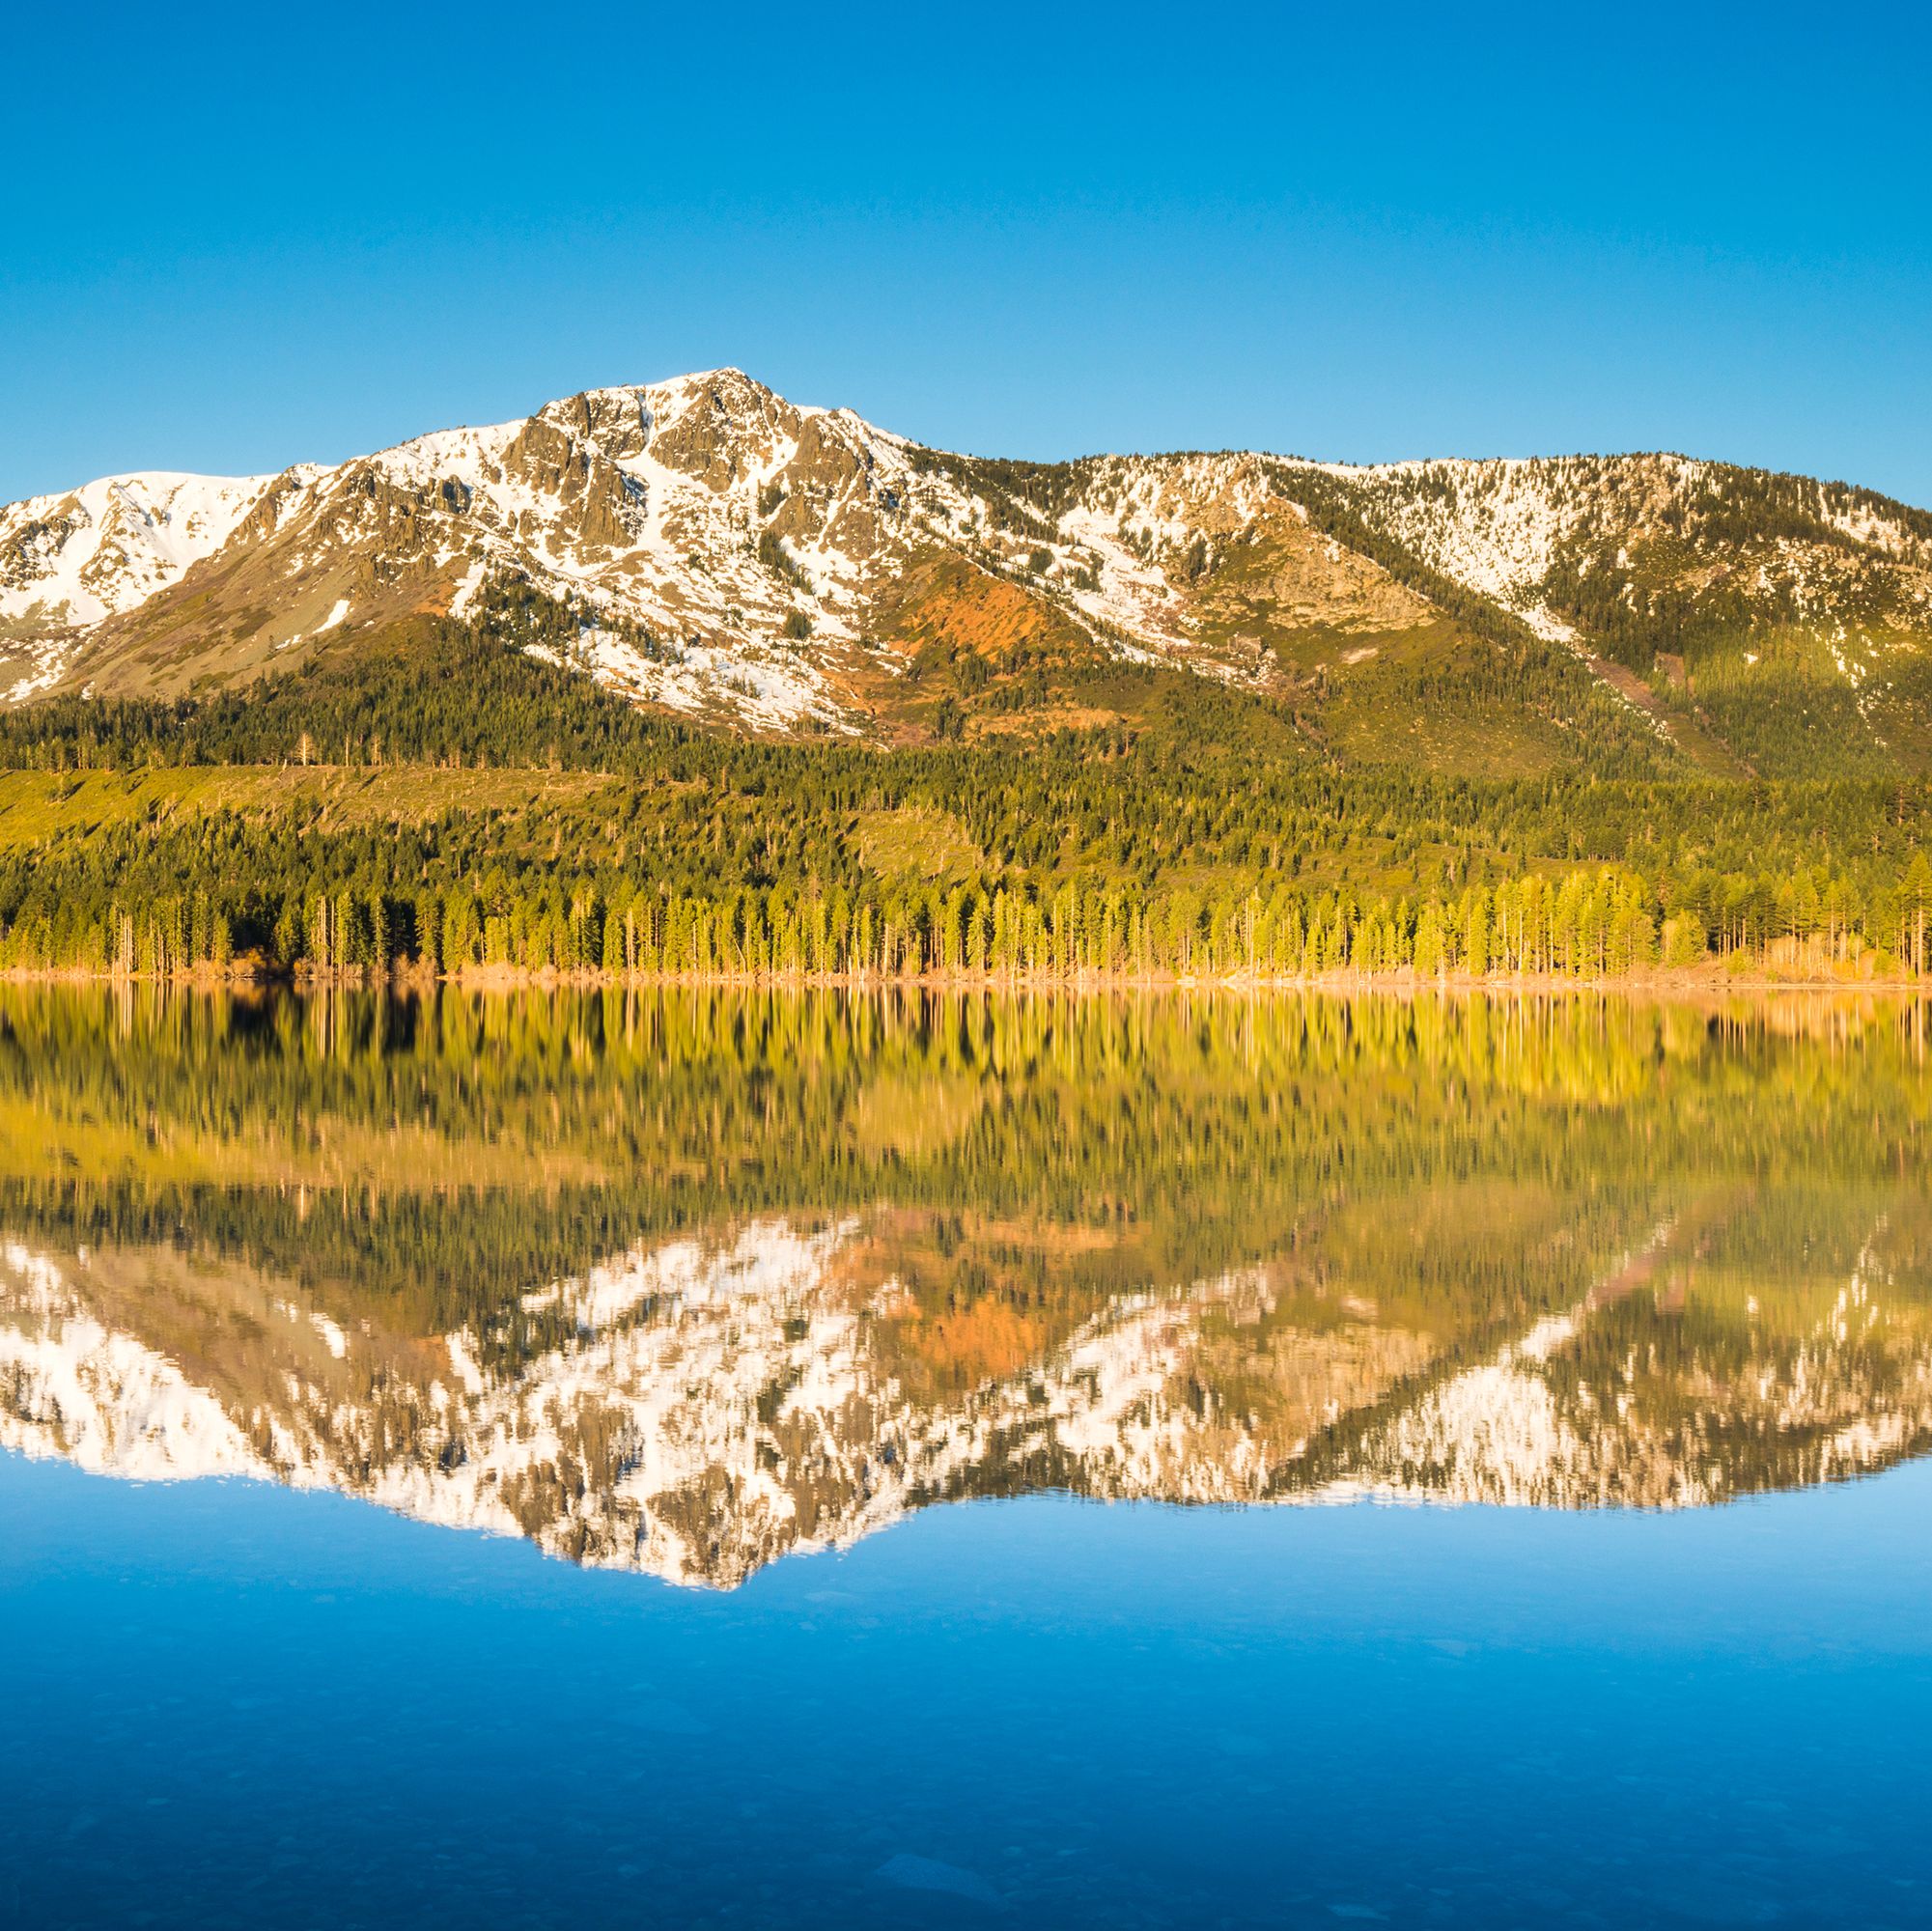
688	1459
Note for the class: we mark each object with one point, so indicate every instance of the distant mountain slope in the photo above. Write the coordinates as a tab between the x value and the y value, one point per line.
69	564
725	553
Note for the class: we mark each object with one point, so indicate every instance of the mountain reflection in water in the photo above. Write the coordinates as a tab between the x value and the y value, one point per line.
680	1282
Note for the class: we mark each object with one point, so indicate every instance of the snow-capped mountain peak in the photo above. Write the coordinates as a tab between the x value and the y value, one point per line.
733	553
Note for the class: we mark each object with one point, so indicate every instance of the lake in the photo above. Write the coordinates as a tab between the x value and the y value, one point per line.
691	1458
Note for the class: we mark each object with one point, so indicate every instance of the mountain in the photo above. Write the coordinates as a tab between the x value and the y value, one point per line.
719	551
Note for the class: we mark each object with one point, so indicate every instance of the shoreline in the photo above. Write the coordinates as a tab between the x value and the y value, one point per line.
1671	982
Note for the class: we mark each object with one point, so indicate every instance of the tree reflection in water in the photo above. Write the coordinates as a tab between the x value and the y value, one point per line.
681	1281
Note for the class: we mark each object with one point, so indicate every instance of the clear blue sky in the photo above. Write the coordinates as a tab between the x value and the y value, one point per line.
235	240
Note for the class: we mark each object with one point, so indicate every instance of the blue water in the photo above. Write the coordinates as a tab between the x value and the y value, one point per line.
231	1704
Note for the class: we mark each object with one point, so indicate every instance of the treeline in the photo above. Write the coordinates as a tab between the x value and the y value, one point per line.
1194	783
1584	924
463	694
454	1150
1174	848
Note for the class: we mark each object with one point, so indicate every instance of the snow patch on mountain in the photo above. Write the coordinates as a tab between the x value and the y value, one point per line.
1494	529
111	543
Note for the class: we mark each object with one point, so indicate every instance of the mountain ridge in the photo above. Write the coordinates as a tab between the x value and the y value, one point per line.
727	554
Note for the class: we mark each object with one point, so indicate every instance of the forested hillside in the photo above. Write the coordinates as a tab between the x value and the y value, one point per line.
449	801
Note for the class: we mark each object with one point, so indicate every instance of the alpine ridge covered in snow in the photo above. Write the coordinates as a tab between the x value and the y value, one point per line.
711	549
